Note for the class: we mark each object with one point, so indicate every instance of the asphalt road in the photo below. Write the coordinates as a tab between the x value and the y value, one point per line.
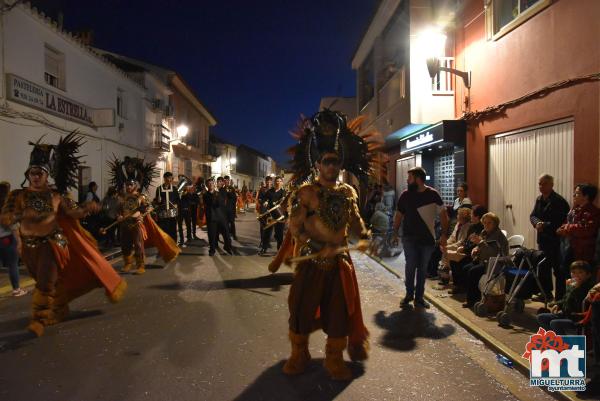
205	328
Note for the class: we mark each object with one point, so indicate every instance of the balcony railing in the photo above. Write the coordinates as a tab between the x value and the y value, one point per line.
160	140
443	82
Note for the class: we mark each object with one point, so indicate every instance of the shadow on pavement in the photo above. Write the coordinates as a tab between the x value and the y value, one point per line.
313	385
274	282
405	326
11	342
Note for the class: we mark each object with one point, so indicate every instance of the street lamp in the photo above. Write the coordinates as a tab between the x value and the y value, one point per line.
182	130
233	160
434	41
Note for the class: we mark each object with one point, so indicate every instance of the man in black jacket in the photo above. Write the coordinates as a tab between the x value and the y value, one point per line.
167	204
548	214
188	208
262	203
231	205
273	197
214	208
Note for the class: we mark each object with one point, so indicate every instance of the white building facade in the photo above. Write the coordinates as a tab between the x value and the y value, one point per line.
52	84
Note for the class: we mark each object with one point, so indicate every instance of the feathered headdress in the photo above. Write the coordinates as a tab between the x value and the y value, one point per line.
131	169
59	161
328	131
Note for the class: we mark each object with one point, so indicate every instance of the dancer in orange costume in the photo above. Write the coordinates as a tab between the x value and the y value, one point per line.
323	214
60	255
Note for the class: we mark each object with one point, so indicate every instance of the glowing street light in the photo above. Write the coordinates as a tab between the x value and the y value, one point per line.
433	43
233	160
182	130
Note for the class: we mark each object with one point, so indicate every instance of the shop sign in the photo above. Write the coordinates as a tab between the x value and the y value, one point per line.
25	92
433	135
419	140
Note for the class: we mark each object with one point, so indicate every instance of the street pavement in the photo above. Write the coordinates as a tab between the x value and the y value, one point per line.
215	328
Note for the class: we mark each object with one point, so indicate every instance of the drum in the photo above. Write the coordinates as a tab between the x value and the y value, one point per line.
167	213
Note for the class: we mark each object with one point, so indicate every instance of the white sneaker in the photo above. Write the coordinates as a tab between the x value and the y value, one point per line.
19	292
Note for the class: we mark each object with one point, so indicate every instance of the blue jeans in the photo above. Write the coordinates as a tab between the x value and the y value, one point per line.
557	323
417	258
9	258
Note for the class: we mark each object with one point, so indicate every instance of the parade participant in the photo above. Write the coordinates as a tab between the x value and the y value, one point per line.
137	229
214	209
166	202
62	257
199	189
189	209
231	205
274	196
131	206
322	216
262	203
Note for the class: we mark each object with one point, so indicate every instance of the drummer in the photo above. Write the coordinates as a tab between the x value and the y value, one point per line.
166	202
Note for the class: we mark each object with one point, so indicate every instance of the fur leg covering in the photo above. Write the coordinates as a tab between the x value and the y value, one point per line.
359	352
300	357
334	358
128	262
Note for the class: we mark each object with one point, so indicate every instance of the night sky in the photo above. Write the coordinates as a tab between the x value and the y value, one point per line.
255	64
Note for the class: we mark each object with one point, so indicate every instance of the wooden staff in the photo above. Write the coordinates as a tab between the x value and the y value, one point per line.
359	247
272	222
114	223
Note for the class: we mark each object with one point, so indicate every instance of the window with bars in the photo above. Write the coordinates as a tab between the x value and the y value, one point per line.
54	68
443	181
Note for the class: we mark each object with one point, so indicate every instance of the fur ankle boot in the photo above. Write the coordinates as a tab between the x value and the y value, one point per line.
300	357
334	359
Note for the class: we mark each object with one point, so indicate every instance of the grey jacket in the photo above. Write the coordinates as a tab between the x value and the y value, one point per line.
492	244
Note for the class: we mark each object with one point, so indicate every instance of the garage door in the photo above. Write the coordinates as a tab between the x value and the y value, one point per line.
516	160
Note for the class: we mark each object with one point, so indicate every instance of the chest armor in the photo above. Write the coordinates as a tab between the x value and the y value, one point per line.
334	207
131	202
37	205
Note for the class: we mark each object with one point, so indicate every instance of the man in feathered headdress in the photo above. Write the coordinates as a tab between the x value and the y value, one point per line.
60	255
323	214
137	229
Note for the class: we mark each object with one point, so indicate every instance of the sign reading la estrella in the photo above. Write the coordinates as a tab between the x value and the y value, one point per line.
33	95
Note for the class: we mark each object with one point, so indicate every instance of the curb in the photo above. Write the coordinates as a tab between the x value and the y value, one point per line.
486	338
29	282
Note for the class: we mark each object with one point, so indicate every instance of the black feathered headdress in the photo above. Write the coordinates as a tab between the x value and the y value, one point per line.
329	131
131	169
59	161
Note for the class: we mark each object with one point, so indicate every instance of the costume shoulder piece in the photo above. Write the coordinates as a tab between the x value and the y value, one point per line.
132	169
60	161
329	131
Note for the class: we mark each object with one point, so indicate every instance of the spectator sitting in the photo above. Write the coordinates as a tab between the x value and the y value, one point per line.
566	312
457	238
592	316
462	256
490	243
380	221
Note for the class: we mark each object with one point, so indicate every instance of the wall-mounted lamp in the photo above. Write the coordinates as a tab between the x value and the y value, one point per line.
433	41
182	130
